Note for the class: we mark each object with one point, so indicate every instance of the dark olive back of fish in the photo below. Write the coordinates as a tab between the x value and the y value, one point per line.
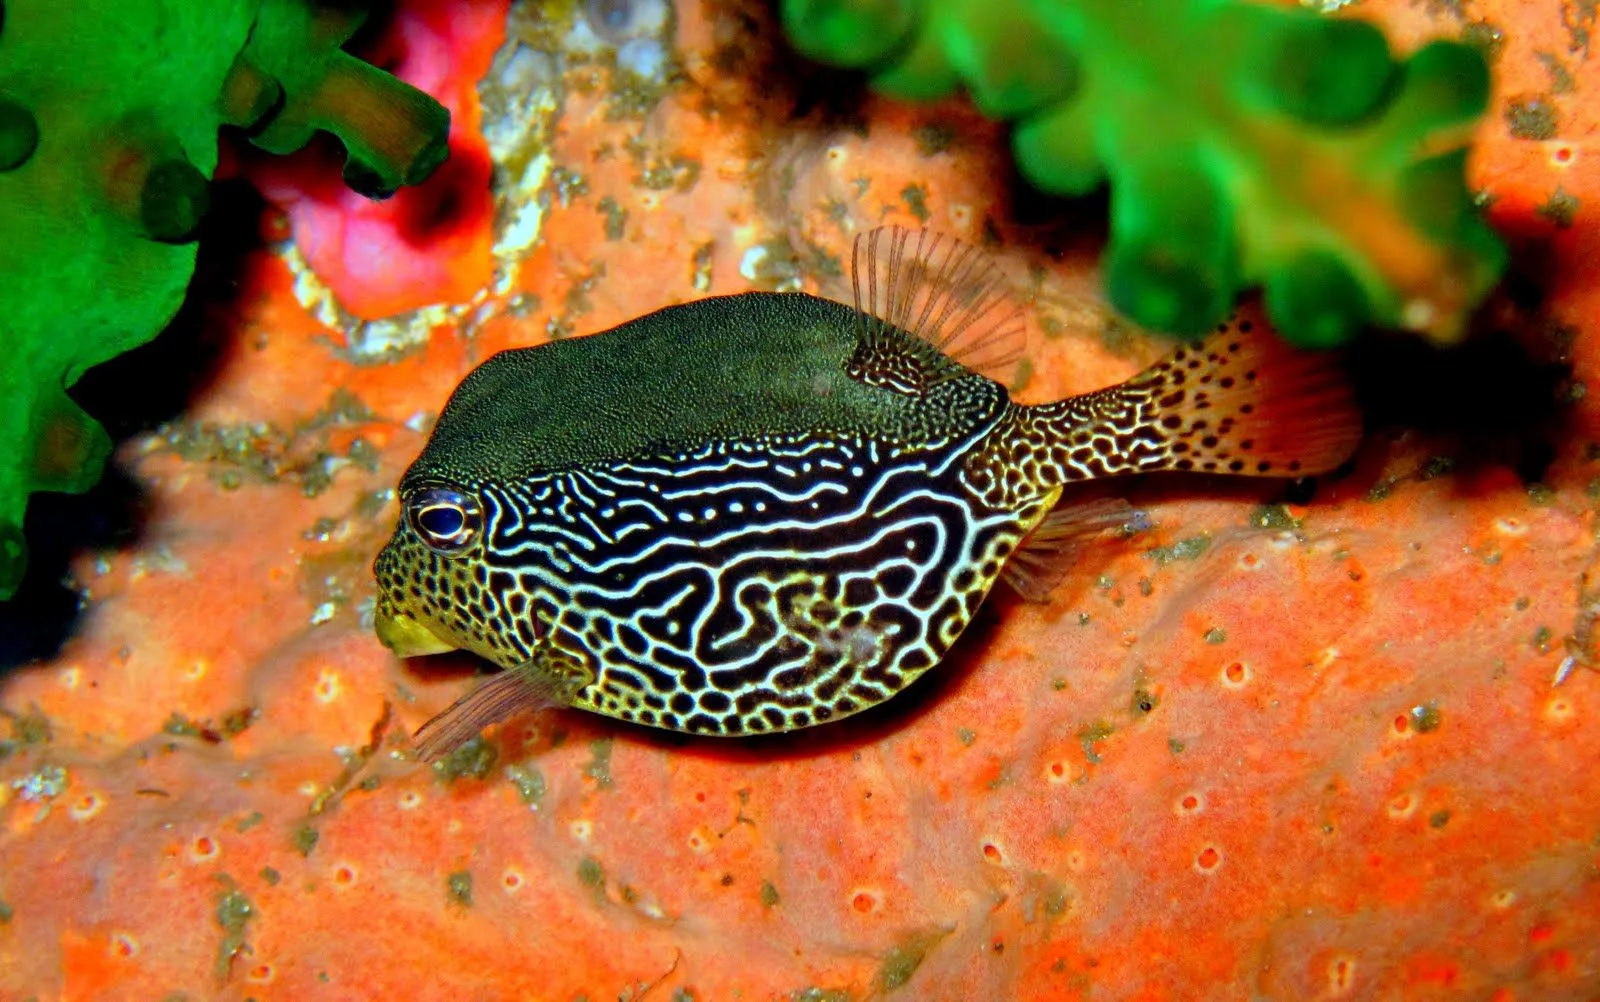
729	367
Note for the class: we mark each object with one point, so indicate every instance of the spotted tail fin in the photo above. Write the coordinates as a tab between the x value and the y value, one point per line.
1239	402
1244	402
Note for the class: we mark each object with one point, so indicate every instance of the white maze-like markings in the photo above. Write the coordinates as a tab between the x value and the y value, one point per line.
748	586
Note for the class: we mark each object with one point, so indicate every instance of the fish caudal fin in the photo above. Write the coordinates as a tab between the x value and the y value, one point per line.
1244	402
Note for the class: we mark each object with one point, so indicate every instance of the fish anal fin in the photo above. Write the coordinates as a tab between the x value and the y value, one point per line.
552	678
1244	402
924	300
1048	553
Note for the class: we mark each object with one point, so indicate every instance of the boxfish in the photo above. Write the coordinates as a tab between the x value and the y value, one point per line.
764	511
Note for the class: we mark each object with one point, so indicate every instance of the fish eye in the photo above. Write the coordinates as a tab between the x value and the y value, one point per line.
441	520
445	519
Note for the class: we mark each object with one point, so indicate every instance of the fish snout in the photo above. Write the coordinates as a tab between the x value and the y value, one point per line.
397	629
403	634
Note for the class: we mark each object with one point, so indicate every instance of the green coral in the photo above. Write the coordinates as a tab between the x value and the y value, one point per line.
1244	144
109	113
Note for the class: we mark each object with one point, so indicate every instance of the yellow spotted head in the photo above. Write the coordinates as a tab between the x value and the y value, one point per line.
432	577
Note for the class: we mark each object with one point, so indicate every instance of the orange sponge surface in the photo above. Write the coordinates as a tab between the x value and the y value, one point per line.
1278	746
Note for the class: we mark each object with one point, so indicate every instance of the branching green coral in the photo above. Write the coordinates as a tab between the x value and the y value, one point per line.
109	111
394	133
1244	144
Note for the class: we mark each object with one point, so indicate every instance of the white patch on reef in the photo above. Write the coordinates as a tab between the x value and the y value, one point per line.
582	40
645	19
644	57
750	264
390	336
525	77
527	219
45	783
309	290
366	341
518	126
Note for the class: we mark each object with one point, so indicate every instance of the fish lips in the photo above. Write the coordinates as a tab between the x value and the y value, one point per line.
407	637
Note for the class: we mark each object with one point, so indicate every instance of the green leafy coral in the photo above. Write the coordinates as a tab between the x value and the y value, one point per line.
1244	144
109	113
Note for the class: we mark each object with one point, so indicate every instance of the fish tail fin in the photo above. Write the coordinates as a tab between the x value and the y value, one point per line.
1239	402
1245	402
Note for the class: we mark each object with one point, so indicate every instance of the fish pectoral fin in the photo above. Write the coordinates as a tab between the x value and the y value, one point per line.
1048	552
551	678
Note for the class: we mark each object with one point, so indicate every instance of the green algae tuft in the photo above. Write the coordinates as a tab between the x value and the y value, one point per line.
475	760
458	888
233	914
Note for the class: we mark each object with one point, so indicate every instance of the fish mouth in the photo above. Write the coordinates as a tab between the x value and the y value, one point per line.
407	637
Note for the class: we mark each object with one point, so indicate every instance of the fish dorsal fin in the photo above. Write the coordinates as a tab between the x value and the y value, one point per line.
924	300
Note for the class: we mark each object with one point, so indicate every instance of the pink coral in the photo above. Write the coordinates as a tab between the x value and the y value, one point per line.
429	243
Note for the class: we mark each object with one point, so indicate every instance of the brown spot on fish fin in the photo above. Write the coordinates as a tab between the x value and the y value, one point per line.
931	300
1049	552
1244	402
550	679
